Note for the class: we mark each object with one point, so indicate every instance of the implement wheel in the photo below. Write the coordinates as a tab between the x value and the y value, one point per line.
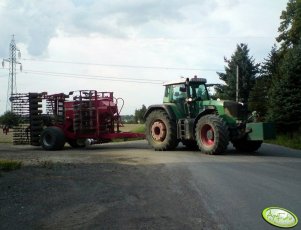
161	131
52	138
212	134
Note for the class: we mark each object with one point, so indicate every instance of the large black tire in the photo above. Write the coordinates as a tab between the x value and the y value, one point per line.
52	138
246	145
77	143
212	134
161	131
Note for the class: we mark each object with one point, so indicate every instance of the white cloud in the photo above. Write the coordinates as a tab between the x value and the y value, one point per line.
193	33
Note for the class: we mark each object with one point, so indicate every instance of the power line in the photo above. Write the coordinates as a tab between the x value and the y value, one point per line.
89	75
122	66
94	77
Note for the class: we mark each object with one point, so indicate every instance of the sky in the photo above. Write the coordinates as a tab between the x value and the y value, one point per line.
129	47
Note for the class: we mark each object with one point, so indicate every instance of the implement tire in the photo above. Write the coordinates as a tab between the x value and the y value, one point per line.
212	134
246	145
161	131
52	138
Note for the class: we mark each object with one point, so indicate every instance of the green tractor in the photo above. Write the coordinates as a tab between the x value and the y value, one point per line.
188	115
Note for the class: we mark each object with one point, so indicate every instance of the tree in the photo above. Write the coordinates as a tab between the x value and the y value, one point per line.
139	114
258	99
285	93
248	71
269	67
128	119
9	119
290	26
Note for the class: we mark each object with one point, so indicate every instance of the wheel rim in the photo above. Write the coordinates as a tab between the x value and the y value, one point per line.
207	135
158	131
48	139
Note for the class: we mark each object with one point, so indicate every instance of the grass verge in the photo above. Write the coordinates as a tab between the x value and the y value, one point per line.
138	129
287	140
9	165
133	128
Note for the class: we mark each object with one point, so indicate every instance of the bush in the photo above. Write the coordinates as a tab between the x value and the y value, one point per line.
291	140
9	119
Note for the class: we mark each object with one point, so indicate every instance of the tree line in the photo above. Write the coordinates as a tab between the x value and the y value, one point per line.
272	88
137	118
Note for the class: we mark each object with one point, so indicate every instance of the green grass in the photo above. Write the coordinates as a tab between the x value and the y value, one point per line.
139	129
133	128
9	165
287	140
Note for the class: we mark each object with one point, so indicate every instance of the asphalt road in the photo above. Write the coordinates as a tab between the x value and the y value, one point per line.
130	186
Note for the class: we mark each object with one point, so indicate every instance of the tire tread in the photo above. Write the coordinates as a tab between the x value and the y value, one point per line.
170	141
221	136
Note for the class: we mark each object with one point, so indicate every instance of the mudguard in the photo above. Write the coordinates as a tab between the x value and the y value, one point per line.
164	107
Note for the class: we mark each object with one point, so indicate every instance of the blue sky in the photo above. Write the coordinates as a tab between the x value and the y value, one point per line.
192	37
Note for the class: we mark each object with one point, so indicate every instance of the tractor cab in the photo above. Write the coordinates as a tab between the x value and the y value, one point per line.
188	89
187	94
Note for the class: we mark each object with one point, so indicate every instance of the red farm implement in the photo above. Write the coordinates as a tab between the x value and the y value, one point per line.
78	118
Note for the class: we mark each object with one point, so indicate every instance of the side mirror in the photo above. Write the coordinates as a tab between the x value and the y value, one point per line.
182	89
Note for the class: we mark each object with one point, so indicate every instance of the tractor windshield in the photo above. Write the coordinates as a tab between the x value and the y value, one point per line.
199	91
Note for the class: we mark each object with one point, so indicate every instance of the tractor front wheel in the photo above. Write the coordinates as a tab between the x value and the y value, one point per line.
212	134
161	131
246	145
52	138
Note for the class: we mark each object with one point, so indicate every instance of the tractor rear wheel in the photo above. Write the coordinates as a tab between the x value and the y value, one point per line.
77	143
212	134
161	131
246	145
52	138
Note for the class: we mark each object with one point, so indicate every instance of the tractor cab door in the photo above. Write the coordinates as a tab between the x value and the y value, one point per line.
199	93
178	96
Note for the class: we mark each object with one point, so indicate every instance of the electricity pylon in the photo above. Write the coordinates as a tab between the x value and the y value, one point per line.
12	81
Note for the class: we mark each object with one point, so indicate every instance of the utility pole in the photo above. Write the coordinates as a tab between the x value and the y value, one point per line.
237	83
12	81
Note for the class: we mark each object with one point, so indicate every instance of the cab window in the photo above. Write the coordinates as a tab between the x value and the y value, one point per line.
177	93
167	90
199	91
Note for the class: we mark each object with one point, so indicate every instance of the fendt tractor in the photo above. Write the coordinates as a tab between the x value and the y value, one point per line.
188	115
78	118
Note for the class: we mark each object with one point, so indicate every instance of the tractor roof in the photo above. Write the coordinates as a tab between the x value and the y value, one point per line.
183	80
